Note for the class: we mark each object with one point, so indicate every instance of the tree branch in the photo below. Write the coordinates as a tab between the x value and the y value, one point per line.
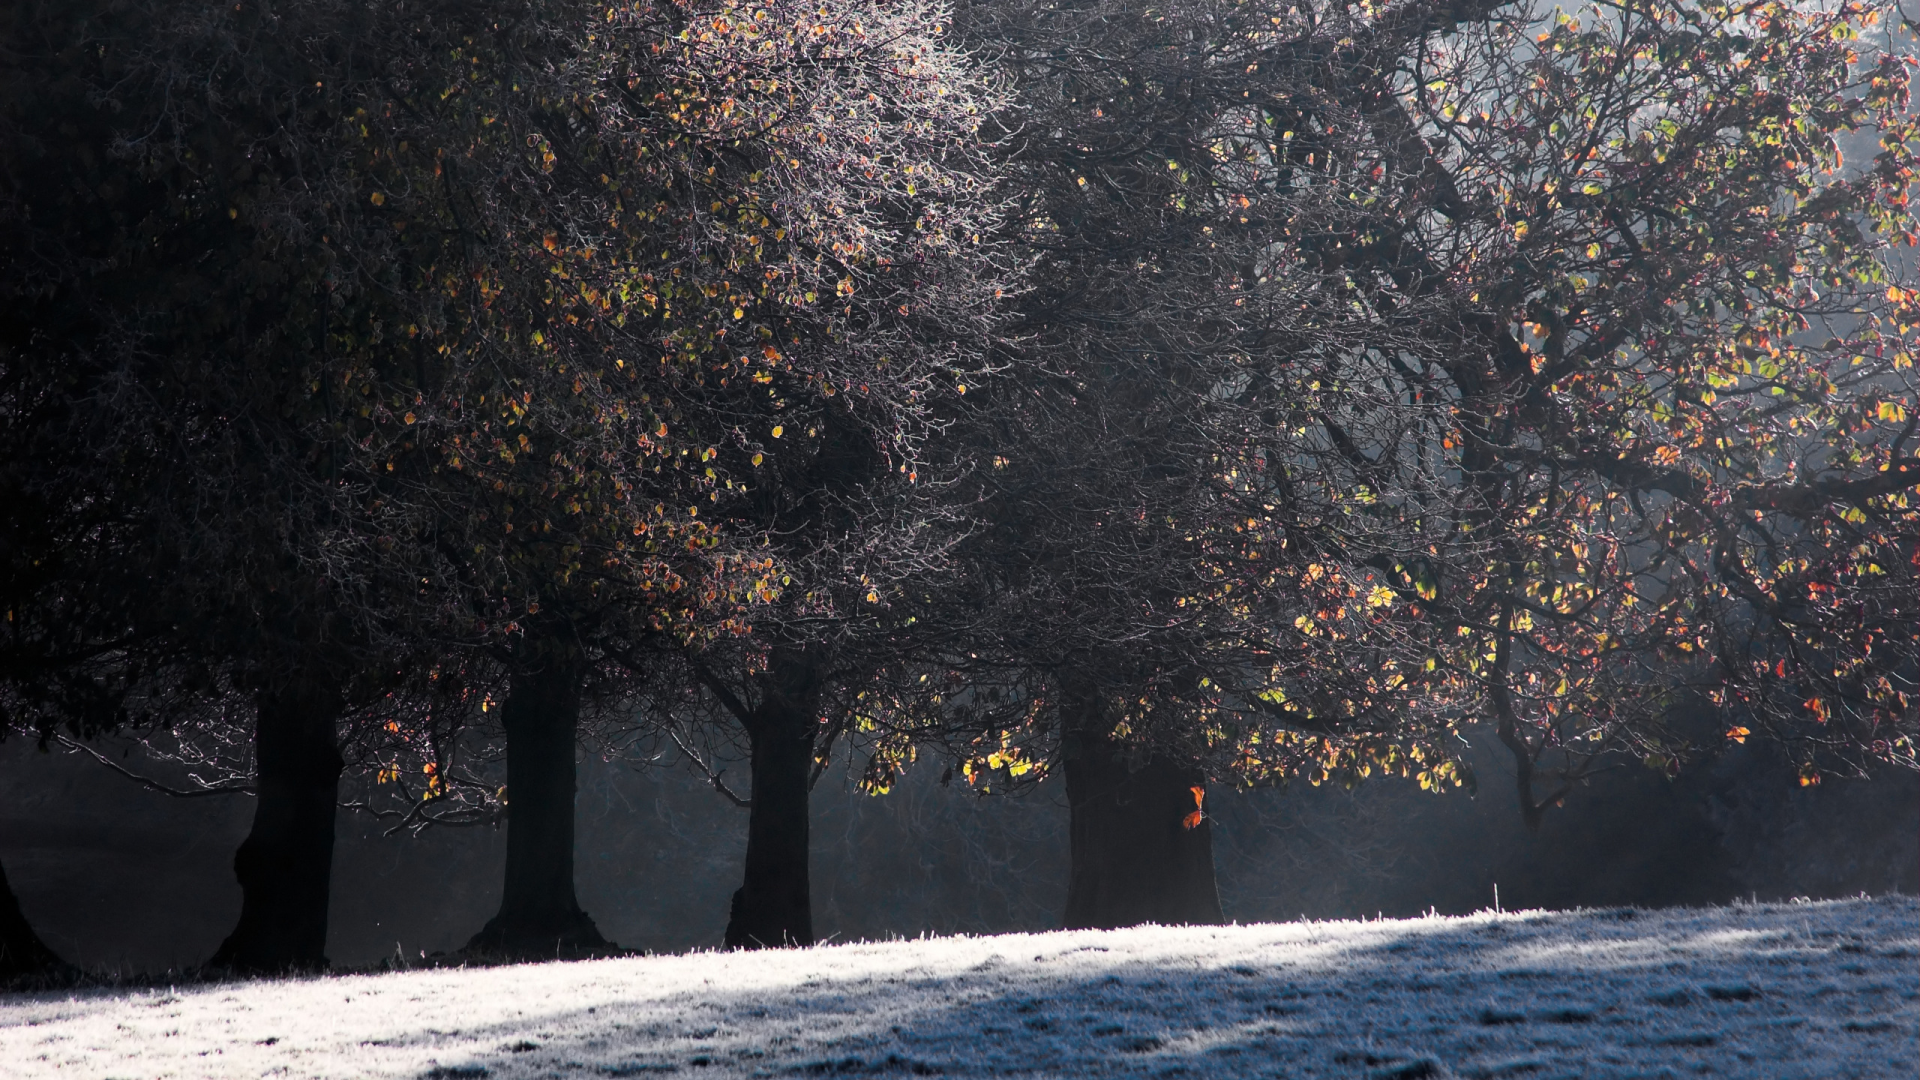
712	777
148	782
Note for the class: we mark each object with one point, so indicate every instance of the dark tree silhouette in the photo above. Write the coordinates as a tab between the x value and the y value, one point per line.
22	954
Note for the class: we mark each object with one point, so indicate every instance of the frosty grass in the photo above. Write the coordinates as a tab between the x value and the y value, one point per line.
1828	989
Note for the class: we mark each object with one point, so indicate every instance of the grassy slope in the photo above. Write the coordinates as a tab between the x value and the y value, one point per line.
1787	990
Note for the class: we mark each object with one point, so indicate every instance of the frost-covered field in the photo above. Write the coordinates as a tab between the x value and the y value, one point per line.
1811	989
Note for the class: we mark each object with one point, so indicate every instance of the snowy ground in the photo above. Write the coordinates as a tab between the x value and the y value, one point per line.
1791	990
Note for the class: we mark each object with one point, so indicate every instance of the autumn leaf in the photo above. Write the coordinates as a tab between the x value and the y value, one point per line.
1193	820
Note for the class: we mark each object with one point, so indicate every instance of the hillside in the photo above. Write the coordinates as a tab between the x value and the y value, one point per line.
1783	990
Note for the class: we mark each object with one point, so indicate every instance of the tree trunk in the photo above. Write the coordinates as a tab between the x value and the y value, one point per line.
1133	858
774	905
285	864
22	954
539	913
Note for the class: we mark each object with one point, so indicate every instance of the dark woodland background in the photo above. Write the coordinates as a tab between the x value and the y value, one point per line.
120	878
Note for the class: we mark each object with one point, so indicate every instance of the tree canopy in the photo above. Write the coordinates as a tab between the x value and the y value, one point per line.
1240	392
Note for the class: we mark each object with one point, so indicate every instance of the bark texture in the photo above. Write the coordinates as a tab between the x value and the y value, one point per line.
773	906
22	954
540	916
285	864
1134	860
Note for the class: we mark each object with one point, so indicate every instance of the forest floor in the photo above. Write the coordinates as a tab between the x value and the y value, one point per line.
1809	989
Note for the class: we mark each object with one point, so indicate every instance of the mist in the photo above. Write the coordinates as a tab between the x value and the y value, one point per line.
120	879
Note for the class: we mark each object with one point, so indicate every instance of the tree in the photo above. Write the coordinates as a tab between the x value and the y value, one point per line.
1151	547
1675	467
892	208
235	144
1410	495
69	597
83	554
189	298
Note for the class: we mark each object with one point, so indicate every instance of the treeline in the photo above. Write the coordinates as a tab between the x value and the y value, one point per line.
400	396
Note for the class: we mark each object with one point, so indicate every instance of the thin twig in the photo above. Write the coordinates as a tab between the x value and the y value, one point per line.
150	783
712	777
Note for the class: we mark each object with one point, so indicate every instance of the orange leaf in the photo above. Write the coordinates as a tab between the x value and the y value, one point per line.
1192	821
